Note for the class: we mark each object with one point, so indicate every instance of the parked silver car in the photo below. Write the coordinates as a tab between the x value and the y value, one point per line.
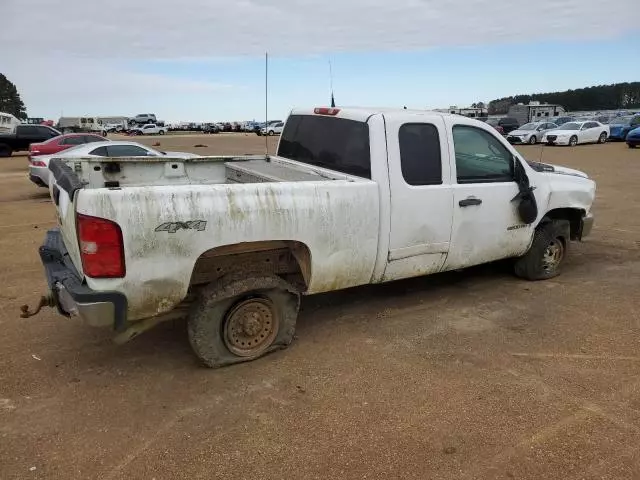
530	133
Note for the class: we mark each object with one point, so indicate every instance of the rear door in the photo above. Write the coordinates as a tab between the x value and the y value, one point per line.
421	194
486	224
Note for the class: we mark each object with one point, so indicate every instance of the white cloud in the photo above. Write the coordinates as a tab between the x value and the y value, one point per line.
202	28
81	52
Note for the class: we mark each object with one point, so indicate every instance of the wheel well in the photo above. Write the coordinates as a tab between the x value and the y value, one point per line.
574	215
289	260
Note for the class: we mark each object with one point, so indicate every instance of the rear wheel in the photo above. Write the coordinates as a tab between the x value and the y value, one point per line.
5	150
533	140
240	319
161	132
547	252
602	138
573	141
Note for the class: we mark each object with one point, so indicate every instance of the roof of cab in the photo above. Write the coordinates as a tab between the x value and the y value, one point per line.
362	114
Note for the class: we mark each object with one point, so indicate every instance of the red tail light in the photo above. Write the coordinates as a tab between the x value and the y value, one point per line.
101	247
326	111
37	163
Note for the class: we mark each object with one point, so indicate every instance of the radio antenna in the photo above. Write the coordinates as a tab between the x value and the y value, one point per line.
266	103
333	101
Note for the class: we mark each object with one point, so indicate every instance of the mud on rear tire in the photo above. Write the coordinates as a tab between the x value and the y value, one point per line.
549	236
215	312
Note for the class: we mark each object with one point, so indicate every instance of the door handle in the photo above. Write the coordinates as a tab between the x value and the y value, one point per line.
467	202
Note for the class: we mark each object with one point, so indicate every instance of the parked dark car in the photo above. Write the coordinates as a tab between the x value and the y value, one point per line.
210	128
503	125
23	137
633	138
561	120
621	126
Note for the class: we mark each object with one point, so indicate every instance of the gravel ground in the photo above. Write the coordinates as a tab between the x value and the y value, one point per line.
463	375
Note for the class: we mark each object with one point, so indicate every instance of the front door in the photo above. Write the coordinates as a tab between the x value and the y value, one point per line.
486	224
421	194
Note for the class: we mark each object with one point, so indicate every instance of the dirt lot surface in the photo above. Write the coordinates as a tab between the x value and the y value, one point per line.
464	375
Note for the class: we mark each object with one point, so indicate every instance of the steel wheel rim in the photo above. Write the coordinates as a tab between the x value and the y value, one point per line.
250	327
553	255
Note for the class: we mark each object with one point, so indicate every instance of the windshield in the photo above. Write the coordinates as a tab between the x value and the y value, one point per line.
623	120
571	126
528	126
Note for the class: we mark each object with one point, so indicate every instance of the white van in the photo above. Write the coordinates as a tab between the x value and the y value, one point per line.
8	122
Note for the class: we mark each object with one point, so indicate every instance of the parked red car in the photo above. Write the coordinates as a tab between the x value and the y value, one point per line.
62	142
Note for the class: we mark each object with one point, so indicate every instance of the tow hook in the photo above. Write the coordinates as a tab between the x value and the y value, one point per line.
45	301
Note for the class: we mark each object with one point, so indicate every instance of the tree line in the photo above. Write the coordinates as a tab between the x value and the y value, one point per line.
10	101
600	97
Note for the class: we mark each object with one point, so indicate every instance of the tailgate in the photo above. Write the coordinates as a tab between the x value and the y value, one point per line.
64	186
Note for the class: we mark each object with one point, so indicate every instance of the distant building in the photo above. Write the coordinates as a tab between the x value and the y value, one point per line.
471	112
534	111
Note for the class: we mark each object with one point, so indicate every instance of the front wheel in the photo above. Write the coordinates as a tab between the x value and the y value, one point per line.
631	145
5	150
573	141
271	133
241	319
533	140
547	252
602	138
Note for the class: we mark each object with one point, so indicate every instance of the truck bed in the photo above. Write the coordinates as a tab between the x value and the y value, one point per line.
94	172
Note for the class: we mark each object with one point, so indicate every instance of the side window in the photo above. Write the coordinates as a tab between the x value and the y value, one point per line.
44	131
420	154
100	151
78	140
480	157
92	138
126	151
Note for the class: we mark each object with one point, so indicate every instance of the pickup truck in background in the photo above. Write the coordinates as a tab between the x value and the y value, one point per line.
23	137
353	196
149	129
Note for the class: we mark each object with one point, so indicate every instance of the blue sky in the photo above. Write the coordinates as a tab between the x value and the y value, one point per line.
199	60
434	78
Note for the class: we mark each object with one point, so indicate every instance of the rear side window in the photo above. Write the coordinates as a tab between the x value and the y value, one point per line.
100	151
334	143
126	151
72	141
420	154
93	138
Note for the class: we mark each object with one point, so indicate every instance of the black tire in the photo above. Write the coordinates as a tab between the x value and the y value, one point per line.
218	320
536	264
573	141
271	133
161	132
5	150
631	145
533	140
602	138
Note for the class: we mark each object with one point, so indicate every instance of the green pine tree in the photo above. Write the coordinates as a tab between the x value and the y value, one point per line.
10	101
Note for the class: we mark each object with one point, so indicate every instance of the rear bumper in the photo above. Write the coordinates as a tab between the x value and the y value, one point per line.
71	296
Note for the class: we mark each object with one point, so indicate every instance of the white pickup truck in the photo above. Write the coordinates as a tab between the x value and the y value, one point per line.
353	196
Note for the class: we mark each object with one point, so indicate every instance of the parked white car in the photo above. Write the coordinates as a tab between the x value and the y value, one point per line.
530	133
273	129
39	166
353	196
149	129
573	133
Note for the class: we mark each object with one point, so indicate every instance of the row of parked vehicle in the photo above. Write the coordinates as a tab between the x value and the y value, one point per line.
568	130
